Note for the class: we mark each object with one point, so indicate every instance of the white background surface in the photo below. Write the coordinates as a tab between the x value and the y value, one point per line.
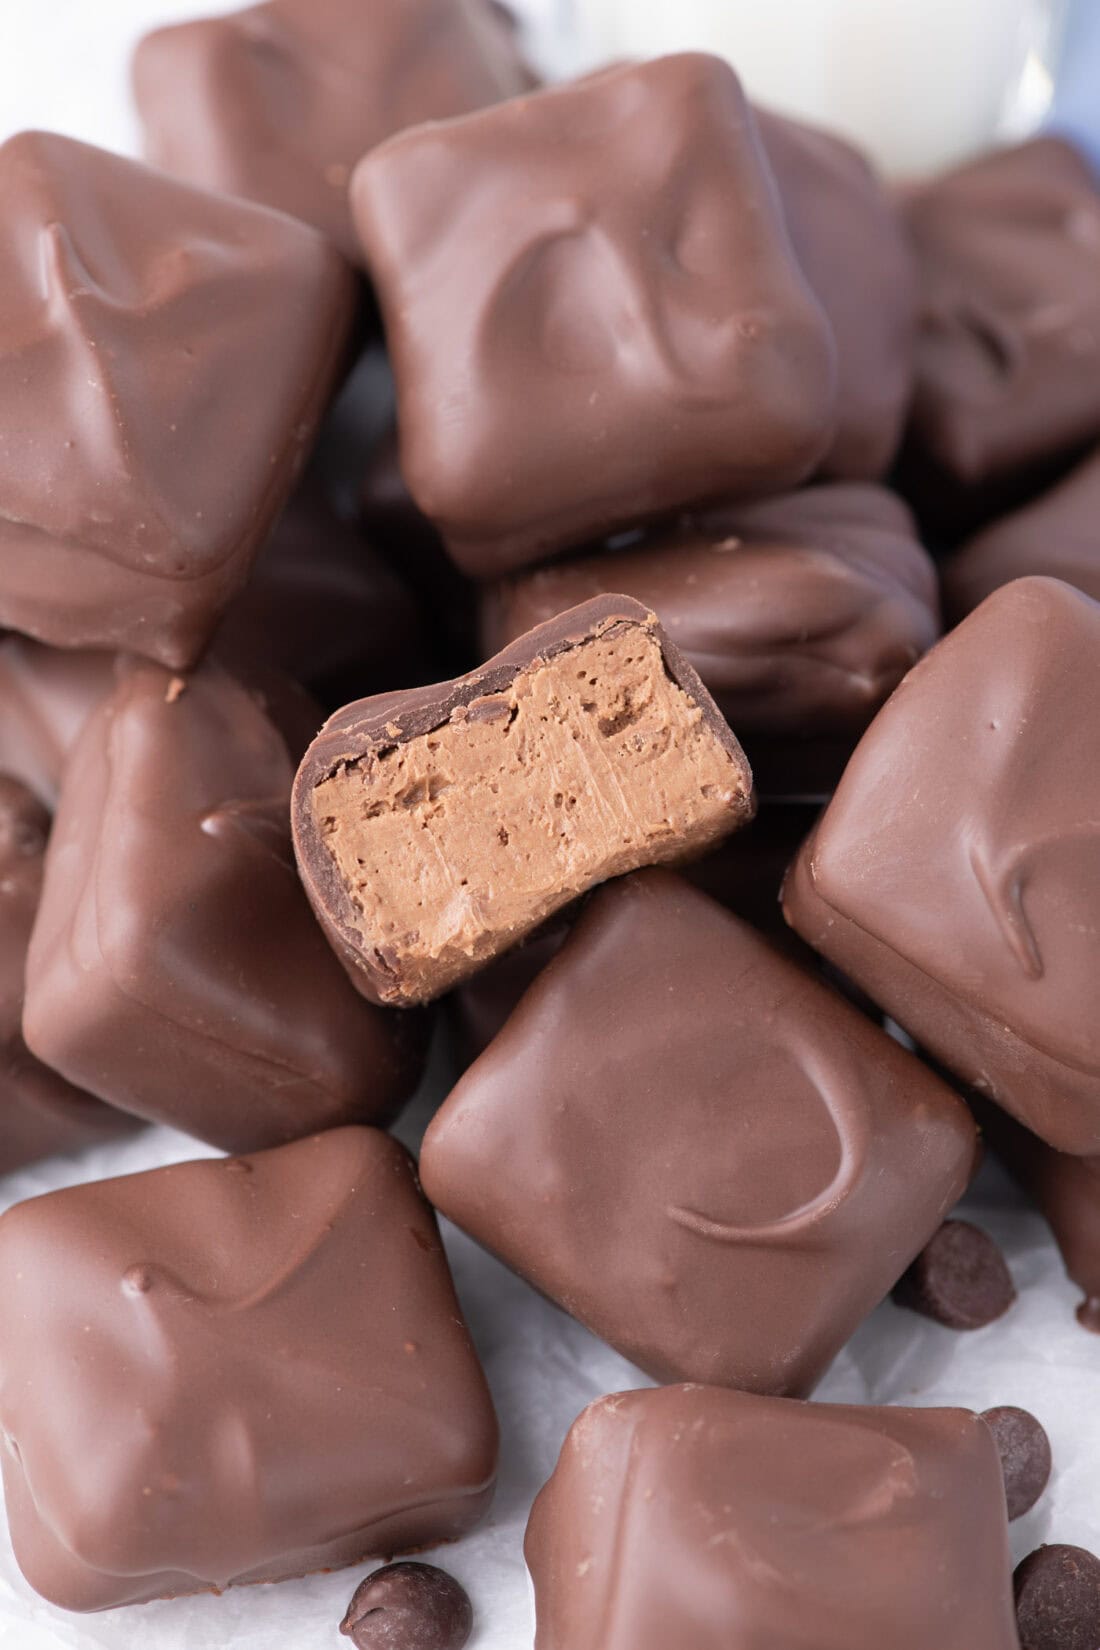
62	65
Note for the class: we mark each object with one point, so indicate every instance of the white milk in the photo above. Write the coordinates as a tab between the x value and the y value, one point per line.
918	83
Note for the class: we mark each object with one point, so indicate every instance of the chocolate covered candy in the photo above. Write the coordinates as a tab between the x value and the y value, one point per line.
46	696
175	968
438	827
704	1520
234	1370
1008	357
851	242
40	1112
278	102
955	875
1057	534
701	1152
593	310
164	357
801	614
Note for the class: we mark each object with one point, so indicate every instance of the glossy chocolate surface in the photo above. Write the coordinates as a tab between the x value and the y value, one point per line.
46	696
1057	534
593	311
235	1370
955	875
40	1112
1008	357
704	1520
278	102
175	967
437	828
170	353
852	244
695	1148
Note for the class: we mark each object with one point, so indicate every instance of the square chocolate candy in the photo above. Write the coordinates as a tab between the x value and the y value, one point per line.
955	875
697	1519
701	1152
279	101
594	312
235	1370
165	355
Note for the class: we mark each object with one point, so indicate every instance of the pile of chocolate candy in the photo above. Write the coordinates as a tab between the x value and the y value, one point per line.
392	361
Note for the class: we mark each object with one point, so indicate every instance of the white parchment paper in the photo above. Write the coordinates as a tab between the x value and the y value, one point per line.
63	66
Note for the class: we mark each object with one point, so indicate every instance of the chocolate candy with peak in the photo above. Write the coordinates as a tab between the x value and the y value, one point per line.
1024	1449
40	1112
960	1279
593	310
324	607
278	102
1008	355
851	242
955	875
697	1149
235	1370
1057	534
801	615
175	968
165	355
409	1607
1058	1599
702	1519
438	827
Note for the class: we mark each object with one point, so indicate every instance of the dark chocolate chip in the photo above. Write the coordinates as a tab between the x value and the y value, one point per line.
960	1279
1058	1599
1024	1449
409	1607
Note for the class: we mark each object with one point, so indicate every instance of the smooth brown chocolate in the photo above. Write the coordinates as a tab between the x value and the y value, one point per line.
278	102
1057	534
851	241
1024	1449
1058	1599
40	1113
235	1370
175	968
46	696
169	353
438	827
697	1149
696	1519
1008	355
959	1279
593	311
955	875
801	614
409	1607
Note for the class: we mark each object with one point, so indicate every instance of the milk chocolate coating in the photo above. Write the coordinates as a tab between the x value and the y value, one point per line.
851	242
278	102
695	1148
323	606
234	1370
165	355
593	311
46	696
438	827
175	968
1008	356
801	614
40	1112
955	875
703	1520
1058	534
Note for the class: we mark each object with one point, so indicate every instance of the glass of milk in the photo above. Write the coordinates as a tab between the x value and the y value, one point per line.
917	83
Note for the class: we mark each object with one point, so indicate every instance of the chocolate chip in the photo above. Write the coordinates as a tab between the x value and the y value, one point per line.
409	1607
959	1279
1058	1599
1024	1449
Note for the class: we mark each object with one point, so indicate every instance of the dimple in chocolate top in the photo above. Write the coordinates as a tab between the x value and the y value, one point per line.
593	310
702	1519
278	102
169	352
956	873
